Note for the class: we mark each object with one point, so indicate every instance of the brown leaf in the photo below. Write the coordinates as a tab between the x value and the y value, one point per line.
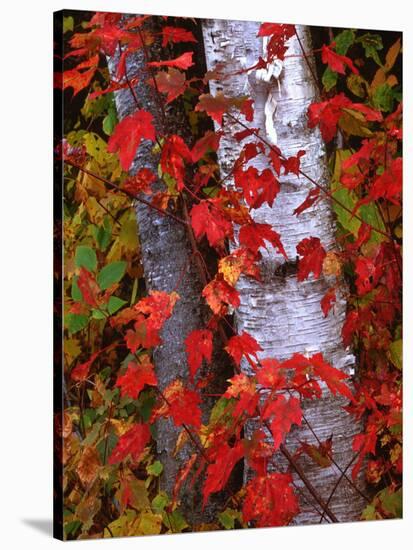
89	465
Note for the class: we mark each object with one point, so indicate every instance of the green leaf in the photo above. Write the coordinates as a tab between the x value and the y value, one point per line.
111	274
97	314
343	41
86	257
68	24
75	322
110	121
72	526
106	445
103	234
174	521
75	293
396	353
88	418
348	200
114	304
392	502
228	517
383	98
159	502
371	43
147	405
329	79
155	469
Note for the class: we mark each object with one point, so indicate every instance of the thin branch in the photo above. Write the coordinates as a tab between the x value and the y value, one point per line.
339	480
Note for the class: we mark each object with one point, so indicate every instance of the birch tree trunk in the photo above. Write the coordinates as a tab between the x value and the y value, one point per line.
167	258
282	314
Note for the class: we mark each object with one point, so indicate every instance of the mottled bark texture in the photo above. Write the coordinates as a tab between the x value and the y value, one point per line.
282	314
167	258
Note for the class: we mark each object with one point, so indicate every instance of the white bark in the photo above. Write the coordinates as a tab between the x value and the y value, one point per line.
283	315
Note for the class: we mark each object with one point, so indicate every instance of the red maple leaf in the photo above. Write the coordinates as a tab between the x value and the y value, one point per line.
331	376
253	236
175	35
328	113
184	61
284	413
270	374
88	287
313	255
368	274
171	82
242	345
208	142
258	452
140	182
292	164
242	260
181	404
257	188
111	35
131	443
135	378
389	184
246	108
79	78
328	300
335	61
81	371
270	500
149	315
279	34
218	472
208	219
128	134
214	106
198	345
157	307
174	154
364	443
218	294
144	335
113	87
311	198
243	388
350	326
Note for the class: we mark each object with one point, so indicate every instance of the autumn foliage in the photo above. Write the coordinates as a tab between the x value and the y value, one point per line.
111	394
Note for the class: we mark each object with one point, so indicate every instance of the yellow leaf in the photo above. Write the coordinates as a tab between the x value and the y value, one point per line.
354	123
331	264
149	524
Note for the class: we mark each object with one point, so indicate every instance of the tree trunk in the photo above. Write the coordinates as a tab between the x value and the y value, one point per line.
282	314
167	259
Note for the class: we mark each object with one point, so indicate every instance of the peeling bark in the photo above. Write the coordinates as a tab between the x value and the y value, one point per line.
282	314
